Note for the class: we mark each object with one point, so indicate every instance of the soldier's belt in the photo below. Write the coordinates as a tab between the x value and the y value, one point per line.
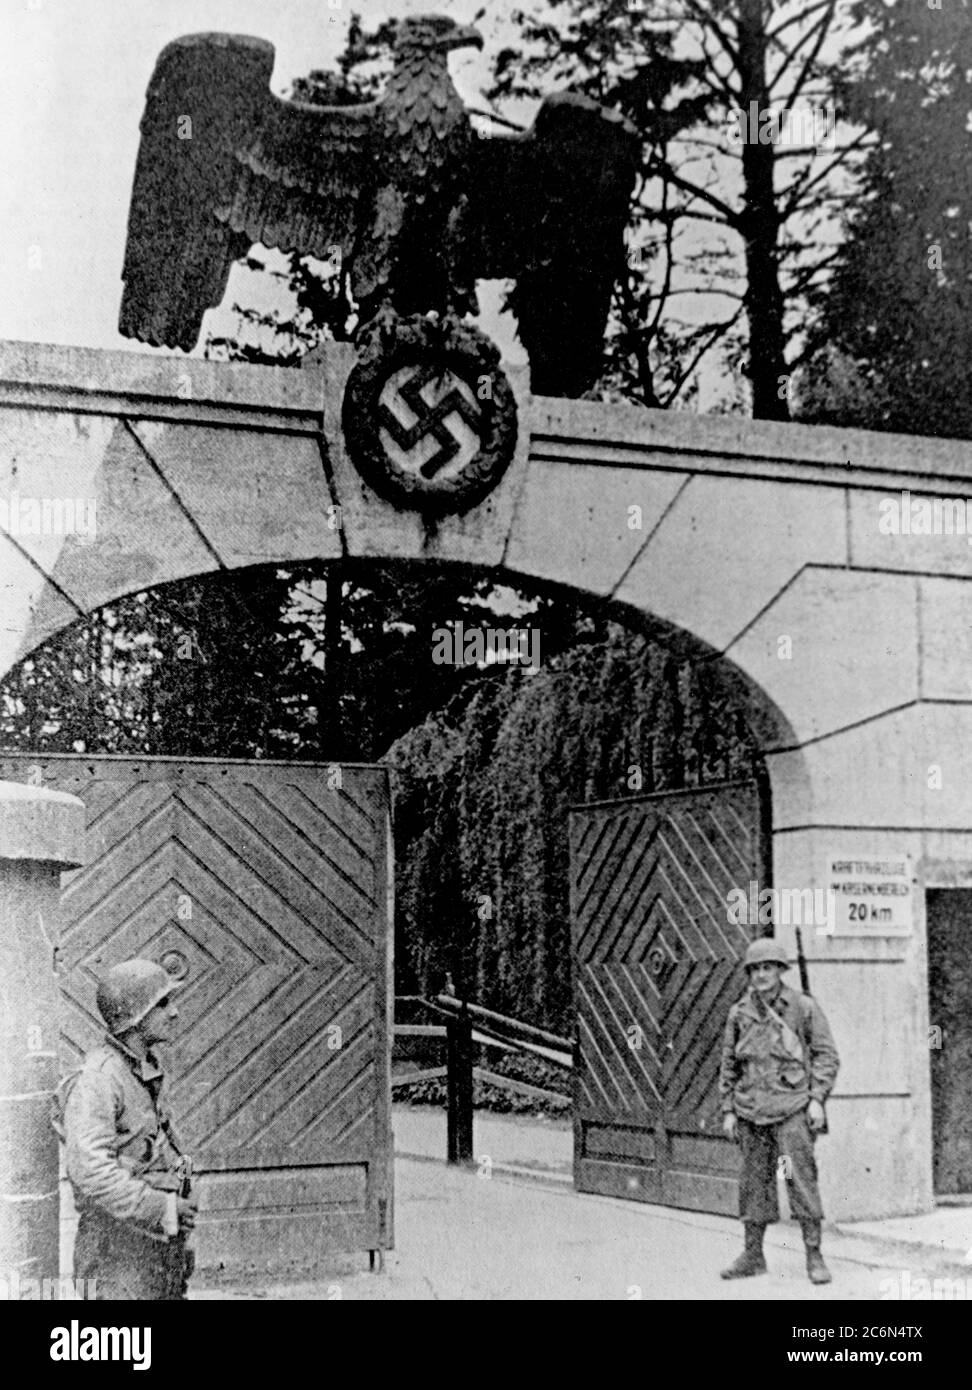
163	1181
176	1179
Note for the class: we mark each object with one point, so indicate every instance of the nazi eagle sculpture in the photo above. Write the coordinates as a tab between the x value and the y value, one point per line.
419	203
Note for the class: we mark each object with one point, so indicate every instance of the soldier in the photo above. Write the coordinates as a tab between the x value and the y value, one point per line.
779	1064
130	1180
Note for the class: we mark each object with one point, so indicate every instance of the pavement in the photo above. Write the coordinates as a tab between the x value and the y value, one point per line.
512	1227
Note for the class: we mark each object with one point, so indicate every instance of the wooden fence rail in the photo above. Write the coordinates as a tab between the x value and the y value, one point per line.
493	1030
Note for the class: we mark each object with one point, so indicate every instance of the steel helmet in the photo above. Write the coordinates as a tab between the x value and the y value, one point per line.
131	990
766	949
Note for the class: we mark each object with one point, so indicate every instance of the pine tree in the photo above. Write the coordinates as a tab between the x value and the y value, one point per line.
891	346
728	219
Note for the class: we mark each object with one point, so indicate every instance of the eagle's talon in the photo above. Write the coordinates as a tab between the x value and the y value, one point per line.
379	330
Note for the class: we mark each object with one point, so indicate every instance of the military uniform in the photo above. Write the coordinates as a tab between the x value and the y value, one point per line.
778	1056
124	1165
775	1060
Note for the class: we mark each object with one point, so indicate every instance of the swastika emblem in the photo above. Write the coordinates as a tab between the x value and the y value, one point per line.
430	421
429	416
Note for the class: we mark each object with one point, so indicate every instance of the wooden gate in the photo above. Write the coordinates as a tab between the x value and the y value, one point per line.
656	968
266	888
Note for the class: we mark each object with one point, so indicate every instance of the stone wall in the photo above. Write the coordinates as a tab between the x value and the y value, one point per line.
761	540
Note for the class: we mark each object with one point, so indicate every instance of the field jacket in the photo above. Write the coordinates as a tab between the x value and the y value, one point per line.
120	1151
775	1060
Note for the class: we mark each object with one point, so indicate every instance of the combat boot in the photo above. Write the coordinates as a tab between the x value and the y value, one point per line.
751	1260
817	1271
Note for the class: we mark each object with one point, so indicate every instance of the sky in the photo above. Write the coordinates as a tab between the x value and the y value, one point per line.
71	98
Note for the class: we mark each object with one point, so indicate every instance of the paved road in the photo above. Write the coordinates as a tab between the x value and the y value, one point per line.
463	1236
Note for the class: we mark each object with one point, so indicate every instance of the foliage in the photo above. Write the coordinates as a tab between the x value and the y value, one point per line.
190	668
891	346
482	791
487	1095
240	665
722	232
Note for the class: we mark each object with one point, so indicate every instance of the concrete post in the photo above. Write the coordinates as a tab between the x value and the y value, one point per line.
41	832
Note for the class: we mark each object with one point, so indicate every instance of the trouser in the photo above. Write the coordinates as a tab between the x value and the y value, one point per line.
125	1262
763	1148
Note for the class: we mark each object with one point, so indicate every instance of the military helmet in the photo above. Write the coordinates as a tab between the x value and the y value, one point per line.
131	990
766	950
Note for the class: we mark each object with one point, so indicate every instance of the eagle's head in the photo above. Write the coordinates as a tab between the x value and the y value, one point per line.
435	33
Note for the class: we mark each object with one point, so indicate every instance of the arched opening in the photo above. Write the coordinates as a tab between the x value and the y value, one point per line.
335	662
490	744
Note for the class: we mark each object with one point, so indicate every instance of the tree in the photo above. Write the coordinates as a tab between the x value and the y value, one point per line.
482	790
732	211
248	664
199	667
891	345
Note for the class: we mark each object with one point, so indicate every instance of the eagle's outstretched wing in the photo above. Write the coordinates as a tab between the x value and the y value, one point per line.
549	209
223	163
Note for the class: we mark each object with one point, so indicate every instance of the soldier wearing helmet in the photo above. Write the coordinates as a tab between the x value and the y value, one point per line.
779	1064
129	1177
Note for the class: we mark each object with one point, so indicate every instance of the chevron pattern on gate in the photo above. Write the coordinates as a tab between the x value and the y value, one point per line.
260	891
656	959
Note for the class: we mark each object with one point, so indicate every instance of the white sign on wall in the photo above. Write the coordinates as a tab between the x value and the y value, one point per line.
872	896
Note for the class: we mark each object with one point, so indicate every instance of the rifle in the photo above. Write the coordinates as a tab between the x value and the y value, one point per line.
802	962
805	987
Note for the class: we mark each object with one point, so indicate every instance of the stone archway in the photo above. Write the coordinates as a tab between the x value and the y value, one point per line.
760	540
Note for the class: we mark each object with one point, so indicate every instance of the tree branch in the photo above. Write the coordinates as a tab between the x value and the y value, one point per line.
773	34
823	27
706	19
728	215
717	332
802	186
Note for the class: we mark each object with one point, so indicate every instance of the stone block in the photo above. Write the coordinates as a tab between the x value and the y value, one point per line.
256	496
869	1006
572	521
48	457
31	610
912	768
144	537
947	858
935	554
945	618
835	648
724	552
874	1162
171	379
